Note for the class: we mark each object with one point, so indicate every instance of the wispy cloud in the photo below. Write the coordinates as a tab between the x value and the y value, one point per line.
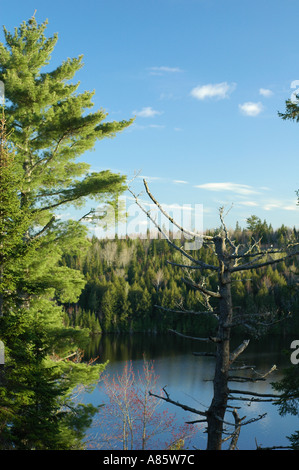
292	207
248	203
274	204
138	127
265	92
232	187
147	112
216	90
150	178
164	69
251	109
180	182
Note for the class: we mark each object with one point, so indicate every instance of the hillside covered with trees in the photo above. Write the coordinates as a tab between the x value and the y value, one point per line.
128	280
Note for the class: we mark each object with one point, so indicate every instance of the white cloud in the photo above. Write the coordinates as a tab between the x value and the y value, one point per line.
286	205
180	182
150	178
164	69
265	92
251	109
269	207
147	112
248	203
216	90
233	187
292	207
156	126
138	127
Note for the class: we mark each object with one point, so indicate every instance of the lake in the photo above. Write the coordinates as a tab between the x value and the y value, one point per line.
189	379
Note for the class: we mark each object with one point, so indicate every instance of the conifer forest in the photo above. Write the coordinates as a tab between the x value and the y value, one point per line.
127	280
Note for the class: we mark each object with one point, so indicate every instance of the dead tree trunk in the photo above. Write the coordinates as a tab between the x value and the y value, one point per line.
217	409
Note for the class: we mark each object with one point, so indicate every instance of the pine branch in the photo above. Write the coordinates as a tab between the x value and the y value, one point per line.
44	229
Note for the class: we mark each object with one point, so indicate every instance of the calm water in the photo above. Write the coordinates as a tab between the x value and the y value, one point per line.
189	379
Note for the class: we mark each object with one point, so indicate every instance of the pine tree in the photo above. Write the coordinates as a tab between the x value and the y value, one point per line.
48	128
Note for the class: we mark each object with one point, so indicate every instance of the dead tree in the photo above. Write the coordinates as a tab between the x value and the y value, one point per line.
231	259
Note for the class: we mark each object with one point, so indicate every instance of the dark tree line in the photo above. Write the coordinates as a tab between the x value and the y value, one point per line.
127	278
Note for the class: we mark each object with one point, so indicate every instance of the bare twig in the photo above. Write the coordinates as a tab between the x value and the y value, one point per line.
176	403
205	340
207	292
182	229
189	312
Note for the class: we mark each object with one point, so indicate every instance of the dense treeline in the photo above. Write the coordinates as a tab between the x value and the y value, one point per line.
127	279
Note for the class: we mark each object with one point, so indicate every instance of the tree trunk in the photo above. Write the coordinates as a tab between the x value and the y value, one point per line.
217	409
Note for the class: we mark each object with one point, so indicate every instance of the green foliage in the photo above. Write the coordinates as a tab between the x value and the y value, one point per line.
128	278
48	126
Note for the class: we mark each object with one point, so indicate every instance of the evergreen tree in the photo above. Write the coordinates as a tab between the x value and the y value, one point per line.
50	125
48	128
108	309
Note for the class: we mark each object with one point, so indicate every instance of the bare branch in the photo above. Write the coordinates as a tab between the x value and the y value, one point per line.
191	312
182	229
250	249
176	403
236	353
204	354
210	339
202	289
229	241
236	433
249	265
272	448
252	368
176	247
252	379
199	265
254	394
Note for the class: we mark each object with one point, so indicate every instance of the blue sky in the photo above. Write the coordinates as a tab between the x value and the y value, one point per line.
205	80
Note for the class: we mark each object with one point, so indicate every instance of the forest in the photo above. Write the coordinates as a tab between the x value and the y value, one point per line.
128	280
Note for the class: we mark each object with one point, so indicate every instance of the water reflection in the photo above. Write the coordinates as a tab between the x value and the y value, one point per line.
189	378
